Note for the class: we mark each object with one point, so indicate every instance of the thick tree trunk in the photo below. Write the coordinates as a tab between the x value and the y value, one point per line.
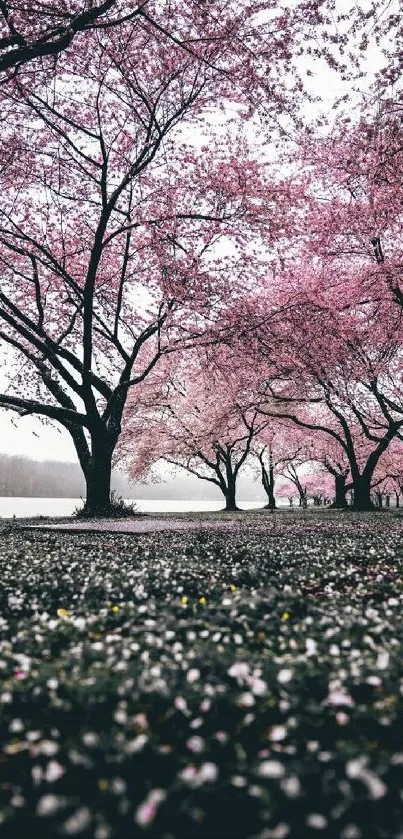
303	501
98	479
362	482
230	500
268	485
228	485
271	505
362	494
397	496
340	501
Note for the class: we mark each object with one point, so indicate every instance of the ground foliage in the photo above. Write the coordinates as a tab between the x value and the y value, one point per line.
117	508
205	684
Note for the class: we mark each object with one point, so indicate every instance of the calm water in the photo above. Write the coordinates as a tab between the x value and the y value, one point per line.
26	507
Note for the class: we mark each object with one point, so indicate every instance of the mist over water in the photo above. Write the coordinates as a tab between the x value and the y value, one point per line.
53	488
27	507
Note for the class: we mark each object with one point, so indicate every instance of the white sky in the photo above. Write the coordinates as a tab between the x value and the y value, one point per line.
28	436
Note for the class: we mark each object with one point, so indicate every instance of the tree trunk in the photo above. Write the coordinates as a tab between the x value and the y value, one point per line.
272	503
362	494
302	498
268	484
378	496
230	485
397	499
340	501
98	479
230	501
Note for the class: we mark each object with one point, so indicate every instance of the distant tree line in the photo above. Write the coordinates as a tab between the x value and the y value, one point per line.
24	477
21	476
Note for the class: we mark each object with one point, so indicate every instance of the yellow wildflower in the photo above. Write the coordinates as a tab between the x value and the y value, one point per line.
15	747
184	599
233	587
63	613
114	608
285	616
203	601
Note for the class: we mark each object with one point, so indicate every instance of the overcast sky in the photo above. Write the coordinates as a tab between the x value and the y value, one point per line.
28	436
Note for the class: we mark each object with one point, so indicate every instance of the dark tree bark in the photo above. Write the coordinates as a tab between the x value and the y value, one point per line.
340	501
98	478
230	497
379	498
271	505
302	500
228	484
362	494
58	28
268	479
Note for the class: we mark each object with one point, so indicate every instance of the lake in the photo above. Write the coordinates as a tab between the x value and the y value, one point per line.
27	507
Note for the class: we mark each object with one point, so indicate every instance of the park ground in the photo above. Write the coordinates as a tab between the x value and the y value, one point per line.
241	677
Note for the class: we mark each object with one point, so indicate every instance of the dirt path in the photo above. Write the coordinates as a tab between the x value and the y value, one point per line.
137	525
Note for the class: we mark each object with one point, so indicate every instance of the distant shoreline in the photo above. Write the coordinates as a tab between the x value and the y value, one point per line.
143	498
55	507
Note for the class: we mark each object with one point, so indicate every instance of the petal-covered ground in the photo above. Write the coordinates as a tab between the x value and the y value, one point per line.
244	679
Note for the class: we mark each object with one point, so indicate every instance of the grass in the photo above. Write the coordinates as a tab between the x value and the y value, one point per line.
118	508
204	684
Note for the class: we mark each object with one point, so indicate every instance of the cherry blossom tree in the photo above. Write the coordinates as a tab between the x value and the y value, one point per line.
280	449
388	477
330	463
335	464
342	382
335	360
111	220
354	198
265	457
198	420
34	30
287	489
120	240
248	45
291	474
319	487
339	350
266	452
